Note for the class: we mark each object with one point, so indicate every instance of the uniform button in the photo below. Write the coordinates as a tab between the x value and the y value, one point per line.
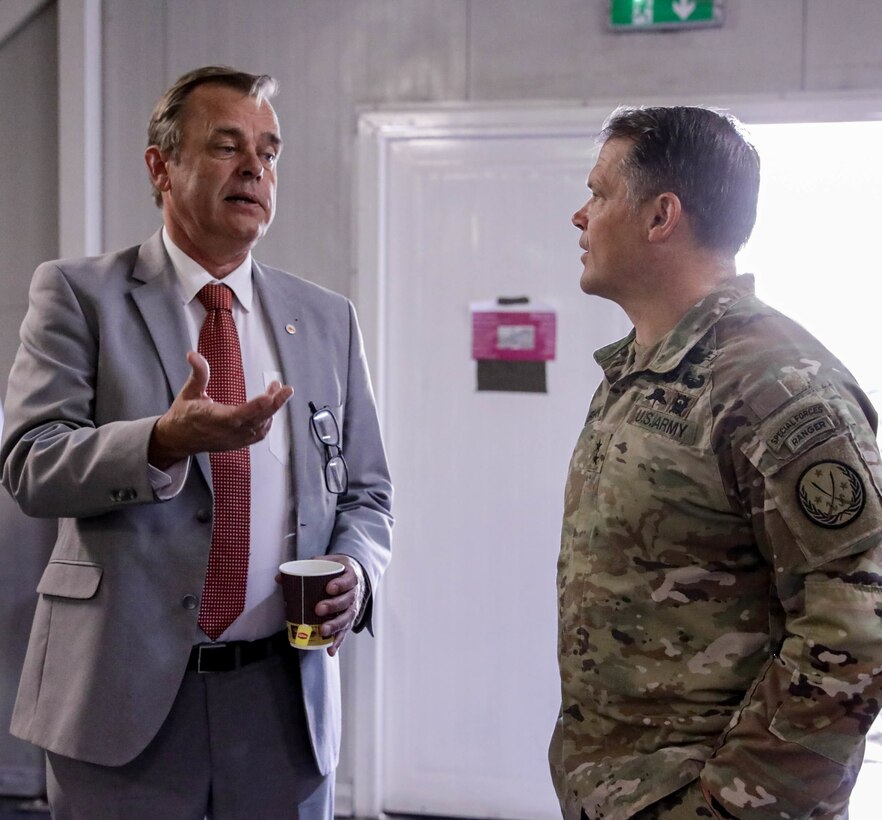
203	516
190	602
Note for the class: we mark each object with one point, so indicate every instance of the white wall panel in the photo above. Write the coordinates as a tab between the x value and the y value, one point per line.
842	48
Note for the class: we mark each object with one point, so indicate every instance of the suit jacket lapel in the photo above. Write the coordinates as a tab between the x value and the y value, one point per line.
160	306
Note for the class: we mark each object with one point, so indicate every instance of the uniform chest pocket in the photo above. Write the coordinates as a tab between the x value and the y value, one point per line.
650	472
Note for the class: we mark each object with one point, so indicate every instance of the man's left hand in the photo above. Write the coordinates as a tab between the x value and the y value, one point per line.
346	597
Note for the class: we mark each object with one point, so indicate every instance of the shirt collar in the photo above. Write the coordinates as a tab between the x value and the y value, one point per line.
192	277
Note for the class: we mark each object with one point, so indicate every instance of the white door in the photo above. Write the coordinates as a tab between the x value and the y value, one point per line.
469	686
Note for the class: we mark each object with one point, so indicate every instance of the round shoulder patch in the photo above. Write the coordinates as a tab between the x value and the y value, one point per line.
831	494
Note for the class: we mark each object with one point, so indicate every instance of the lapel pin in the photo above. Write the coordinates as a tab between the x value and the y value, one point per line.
290	328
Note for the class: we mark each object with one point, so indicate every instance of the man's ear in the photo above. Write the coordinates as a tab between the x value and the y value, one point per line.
157	166
664	214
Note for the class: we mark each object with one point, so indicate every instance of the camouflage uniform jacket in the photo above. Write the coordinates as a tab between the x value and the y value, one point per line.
720	573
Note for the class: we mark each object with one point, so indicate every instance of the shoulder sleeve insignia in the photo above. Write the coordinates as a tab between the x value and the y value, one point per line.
831	494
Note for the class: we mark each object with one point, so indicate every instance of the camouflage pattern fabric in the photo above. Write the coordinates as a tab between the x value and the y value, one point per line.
688	803
720	574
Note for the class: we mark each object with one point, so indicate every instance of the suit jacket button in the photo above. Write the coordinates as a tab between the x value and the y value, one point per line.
203	516
190	602
124	494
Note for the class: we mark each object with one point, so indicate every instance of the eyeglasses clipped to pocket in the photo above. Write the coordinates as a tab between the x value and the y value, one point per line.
327	431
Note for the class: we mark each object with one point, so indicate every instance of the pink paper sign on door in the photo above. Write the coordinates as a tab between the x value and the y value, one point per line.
513	335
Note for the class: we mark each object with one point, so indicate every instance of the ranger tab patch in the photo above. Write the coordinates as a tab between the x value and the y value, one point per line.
831	494
806	434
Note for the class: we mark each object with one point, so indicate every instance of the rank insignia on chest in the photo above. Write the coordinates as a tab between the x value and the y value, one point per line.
595	451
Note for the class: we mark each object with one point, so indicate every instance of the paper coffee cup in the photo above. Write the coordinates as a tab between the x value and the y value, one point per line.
304	584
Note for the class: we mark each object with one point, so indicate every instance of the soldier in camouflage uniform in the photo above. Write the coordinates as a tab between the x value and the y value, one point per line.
720	573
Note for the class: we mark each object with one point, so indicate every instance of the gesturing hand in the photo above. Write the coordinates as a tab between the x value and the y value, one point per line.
196	424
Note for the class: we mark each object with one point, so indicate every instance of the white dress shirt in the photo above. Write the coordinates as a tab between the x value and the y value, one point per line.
264	611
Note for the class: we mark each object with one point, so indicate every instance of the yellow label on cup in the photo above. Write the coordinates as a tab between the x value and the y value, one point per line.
307	636
302	636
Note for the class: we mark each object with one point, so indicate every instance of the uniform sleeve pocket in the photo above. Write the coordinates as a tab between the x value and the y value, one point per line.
71	579
832	653
827	496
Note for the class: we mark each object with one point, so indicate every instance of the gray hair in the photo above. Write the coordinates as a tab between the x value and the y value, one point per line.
165	129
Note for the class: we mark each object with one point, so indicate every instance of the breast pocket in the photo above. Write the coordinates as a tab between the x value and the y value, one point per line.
278	437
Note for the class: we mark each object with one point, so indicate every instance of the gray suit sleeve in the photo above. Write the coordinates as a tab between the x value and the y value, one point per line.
363	523
55	460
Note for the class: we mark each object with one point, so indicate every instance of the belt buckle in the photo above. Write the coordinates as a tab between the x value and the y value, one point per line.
206	649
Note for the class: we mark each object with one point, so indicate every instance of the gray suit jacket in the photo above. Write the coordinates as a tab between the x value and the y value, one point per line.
102	355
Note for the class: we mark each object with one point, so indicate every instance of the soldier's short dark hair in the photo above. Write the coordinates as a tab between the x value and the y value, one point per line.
165	129
699	154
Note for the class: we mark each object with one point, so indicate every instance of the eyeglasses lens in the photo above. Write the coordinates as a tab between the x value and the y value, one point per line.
326	428
336	475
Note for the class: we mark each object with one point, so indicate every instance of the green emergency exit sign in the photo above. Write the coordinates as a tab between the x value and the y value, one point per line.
654	15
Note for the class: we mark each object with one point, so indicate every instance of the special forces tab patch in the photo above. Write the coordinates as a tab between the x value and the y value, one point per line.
801	427
831	494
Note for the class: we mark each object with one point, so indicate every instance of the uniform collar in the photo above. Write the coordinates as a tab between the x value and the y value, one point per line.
617	358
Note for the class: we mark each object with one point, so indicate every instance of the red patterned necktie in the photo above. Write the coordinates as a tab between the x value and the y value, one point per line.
223	597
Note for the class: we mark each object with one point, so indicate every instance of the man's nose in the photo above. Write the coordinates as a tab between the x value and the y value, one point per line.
251	166
580	218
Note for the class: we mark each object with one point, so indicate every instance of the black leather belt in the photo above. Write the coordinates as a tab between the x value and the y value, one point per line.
224	657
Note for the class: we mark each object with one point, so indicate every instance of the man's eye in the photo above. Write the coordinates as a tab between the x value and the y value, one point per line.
270	158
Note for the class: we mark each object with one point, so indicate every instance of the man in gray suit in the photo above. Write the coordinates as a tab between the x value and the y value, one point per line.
146	711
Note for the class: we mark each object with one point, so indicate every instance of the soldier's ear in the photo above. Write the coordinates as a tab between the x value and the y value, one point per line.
663	215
